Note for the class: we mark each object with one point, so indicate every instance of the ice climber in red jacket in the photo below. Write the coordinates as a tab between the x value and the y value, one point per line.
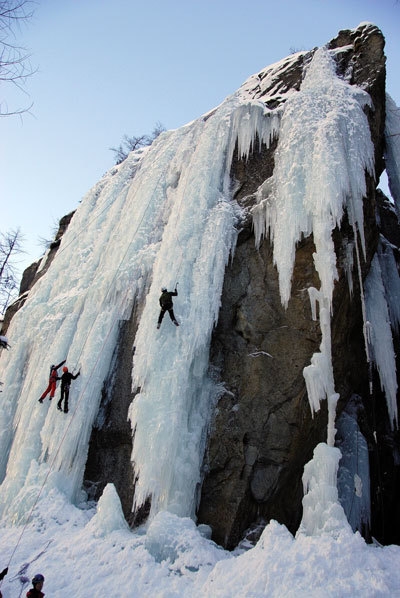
52	382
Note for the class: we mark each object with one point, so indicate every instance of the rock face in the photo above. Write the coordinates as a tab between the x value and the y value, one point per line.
263	432
36	271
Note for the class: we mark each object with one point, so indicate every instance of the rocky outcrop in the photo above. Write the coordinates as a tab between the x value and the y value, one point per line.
263	432
35	271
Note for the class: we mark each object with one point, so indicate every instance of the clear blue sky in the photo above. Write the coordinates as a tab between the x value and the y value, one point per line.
106	69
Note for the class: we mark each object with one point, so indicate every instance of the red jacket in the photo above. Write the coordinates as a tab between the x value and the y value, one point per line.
53	371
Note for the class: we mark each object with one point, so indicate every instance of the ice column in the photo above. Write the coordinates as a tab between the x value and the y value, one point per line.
322	512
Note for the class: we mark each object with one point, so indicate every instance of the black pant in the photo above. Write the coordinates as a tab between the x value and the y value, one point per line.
162	312
64	397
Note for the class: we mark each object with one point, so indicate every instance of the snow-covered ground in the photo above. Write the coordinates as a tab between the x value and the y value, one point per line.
84	553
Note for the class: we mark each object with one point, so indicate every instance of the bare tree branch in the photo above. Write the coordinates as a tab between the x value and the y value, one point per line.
15	66
10	246
129	144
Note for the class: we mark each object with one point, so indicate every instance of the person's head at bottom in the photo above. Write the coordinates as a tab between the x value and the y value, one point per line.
38	581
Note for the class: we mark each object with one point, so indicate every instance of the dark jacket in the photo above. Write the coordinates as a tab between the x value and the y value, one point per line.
166	299
66	379
34	593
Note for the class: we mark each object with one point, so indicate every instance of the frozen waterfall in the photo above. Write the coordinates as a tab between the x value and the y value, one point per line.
166	217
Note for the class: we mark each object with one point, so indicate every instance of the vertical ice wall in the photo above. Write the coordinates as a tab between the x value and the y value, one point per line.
391	281
171	413
353	476
169	416
323	152
382	286
392	150
380	336
104	261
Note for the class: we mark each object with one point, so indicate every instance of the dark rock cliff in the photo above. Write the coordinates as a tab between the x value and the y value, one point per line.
263	432
36	271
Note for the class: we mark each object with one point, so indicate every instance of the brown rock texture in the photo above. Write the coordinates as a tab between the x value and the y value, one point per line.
263	432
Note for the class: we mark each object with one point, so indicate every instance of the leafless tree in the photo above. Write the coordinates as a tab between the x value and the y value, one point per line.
10	247
15	65
129	144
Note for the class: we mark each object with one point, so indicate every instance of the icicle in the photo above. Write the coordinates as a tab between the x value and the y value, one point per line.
349	263
392	150
332	402
319	374
312	183
380	338
262	212
313	178
250	121
314	296
366	323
